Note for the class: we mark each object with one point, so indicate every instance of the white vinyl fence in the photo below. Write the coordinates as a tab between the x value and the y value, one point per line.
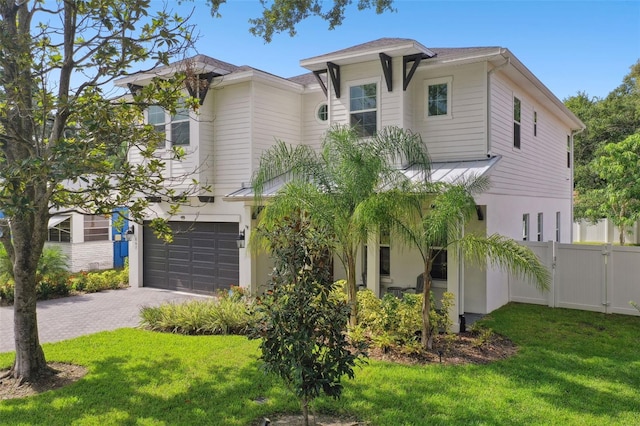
602	278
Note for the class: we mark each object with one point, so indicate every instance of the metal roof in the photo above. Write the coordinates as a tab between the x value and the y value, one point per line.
445	171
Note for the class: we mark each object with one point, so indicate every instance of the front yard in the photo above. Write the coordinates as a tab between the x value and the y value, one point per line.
572	367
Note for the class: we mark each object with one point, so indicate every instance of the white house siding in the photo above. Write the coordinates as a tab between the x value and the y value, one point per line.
202	139
313	130
231	137
463	136
389	108
539	167
87	256
277	115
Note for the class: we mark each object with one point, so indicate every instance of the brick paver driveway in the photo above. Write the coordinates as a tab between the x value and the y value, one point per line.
61	319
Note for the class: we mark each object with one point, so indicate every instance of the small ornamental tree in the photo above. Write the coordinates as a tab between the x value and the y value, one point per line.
303	324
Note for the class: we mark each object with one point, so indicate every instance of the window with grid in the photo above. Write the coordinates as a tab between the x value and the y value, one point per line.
96	228
180	126
363	107
61	233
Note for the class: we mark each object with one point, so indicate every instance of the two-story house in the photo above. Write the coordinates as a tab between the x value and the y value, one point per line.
479	110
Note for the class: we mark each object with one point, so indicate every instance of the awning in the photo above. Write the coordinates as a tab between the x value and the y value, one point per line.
57	220
443	171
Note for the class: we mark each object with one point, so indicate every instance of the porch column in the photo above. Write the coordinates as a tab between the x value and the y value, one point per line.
135	257
247	262
373	263
454	283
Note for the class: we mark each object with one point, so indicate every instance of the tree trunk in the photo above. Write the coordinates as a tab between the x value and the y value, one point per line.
305	411
352	290
621	235
427	336
27	245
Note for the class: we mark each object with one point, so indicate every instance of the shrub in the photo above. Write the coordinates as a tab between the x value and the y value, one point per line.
53	285
225	315
6	291
53	261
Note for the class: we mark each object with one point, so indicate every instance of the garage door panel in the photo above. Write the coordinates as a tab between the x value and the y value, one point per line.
203	257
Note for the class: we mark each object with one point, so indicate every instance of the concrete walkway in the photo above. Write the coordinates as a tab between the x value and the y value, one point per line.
74	316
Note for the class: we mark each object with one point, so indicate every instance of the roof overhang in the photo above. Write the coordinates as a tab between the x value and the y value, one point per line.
57	220
402	48
451	172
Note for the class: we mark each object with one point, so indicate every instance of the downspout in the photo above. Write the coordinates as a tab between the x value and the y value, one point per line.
499	67
574	132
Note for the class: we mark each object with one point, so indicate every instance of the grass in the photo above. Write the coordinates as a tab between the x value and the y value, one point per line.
573	368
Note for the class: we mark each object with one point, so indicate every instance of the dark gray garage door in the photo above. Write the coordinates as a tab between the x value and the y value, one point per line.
202	258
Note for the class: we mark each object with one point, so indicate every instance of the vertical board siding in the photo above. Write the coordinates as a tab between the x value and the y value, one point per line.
590	278
539	167
464	135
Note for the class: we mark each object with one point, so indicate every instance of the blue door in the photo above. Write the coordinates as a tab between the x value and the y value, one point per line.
120	243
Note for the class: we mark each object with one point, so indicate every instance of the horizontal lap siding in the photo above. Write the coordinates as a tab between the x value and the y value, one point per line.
231	137
464	135
313	130
277	115
390	104
539	167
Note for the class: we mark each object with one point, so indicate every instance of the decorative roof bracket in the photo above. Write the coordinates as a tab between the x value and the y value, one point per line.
323	86
385	61
134	88
334	73
199	86
406	78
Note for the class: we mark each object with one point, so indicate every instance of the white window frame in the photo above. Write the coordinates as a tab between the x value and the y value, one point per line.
558	227
169	120
448	80
317	112
525	227
518	122
364	82
540	221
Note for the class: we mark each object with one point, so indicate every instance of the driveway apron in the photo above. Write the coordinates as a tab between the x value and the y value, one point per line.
68	317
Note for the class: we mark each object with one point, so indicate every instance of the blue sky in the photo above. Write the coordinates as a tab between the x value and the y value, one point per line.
570	46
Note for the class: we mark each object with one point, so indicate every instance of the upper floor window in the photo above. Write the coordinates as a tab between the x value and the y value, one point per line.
516	122
438	96
175	127
363	107
525	227
535	123
96	228
322	113
568	151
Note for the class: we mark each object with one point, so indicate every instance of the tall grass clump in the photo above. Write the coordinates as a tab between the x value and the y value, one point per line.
222	315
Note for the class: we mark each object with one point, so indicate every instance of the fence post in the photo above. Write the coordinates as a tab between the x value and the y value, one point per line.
551	265
607	252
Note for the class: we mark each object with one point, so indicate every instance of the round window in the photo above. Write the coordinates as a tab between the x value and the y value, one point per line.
323	112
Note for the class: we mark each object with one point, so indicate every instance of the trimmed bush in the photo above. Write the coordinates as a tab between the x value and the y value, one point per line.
223	315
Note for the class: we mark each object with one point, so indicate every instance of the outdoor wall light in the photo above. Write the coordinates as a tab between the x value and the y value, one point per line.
240	239
130	233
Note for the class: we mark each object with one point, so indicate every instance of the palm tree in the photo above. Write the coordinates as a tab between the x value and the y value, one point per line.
430	216
330	184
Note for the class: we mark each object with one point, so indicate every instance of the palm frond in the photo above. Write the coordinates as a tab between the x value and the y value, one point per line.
506	254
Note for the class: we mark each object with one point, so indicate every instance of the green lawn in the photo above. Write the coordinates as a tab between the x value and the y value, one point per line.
573	367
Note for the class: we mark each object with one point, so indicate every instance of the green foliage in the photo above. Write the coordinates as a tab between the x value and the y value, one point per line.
393	322
330	185
608	120
302	323
617	196
284	15
224	315
53	261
